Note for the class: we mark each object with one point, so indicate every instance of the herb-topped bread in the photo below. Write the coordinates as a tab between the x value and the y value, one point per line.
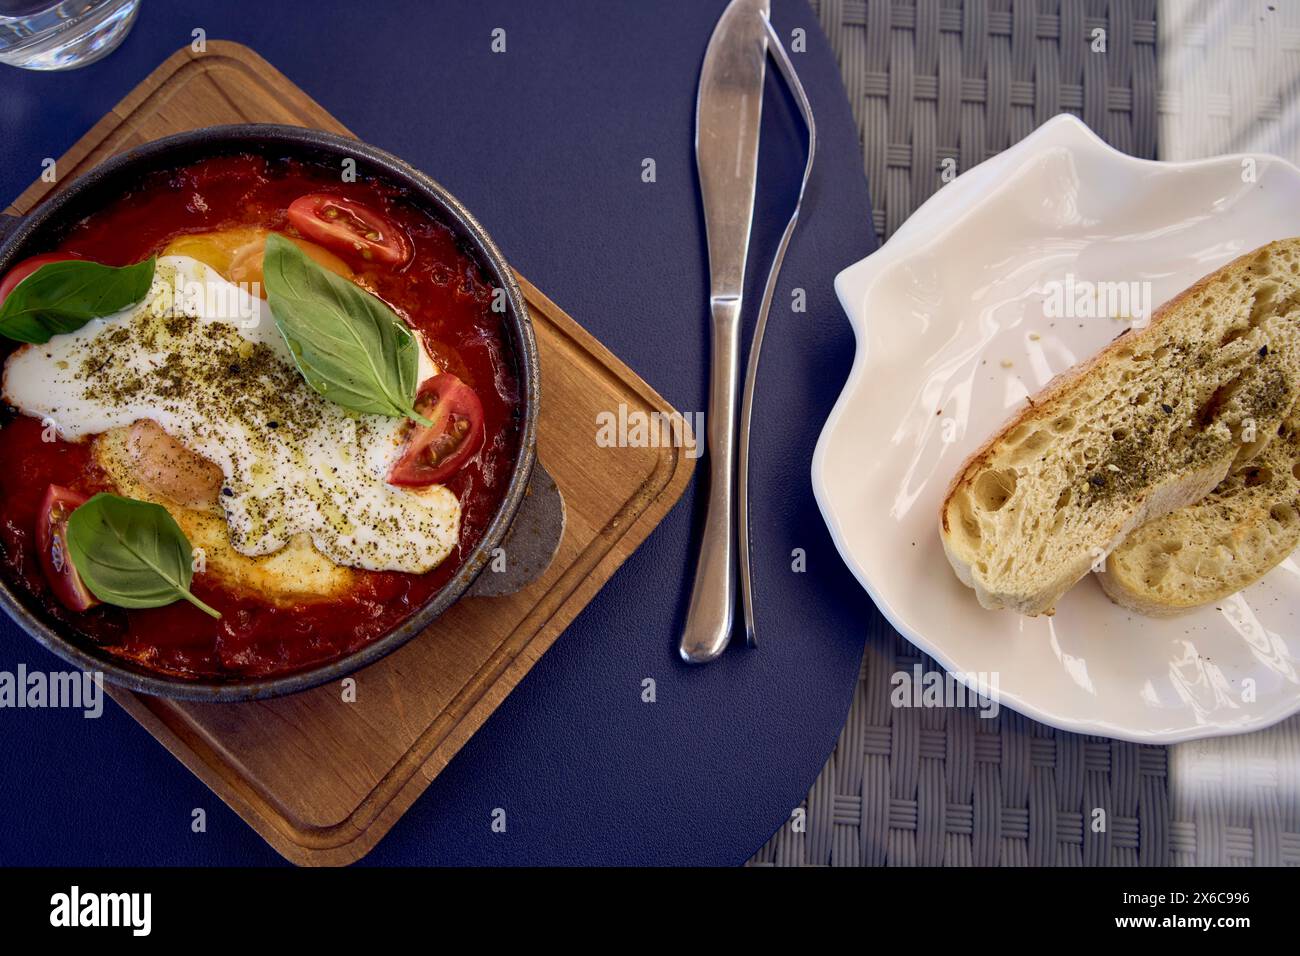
1152	423
1227	541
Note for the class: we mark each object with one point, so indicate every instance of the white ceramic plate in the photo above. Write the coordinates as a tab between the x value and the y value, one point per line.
953	331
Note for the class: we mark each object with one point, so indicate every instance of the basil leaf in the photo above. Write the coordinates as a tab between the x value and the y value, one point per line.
63	296
349	346
131	553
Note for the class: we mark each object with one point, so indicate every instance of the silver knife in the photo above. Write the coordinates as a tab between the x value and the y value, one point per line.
728	114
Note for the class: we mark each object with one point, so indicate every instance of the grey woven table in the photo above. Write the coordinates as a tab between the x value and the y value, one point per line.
931	81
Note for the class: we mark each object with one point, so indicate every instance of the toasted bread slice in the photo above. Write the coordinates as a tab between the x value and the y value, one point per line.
1230	539
1150	424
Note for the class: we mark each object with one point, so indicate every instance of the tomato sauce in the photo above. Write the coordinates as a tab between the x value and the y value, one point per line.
441	292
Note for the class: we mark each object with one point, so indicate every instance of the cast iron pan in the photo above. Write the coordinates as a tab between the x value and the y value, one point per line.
40	231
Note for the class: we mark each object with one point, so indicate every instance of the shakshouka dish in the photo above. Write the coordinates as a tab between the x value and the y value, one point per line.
253	417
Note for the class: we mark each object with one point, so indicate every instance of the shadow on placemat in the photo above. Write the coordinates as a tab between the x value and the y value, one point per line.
946	85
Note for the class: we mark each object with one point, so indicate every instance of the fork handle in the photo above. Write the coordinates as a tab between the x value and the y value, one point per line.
713	596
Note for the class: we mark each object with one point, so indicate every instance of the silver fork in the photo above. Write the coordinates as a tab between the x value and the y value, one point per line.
777	50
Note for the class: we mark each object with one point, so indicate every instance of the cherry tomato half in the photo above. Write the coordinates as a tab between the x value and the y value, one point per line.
52	546
433	453
25	268
349	228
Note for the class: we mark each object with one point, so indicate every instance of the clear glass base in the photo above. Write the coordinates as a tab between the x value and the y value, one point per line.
62	35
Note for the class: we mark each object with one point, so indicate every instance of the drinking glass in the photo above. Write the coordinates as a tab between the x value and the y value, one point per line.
62	34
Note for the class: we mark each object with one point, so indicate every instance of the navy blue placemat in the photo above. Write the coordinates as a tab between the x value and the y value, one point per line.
545	144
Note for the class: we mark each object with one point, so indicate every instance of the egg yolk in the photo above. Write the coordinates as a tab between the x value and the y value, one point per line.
237	253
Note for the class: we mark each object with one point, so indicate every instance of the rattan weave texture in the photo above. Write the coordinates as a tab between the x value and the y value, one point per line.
932	81
1229	78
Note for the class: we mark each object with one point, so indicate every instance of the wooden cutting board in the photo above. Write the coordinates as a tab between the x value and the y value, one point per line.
320	779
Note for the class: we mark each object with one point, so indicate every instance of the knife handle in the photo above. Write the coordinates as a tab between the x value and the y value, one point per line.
713	596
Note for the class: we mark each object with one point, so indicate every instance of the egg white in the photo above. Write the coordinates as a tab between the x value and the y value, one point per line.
203	358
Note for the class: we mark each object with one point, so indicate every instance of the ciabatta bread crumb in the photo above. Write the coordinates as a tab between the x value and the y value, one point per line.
1149	425
1228	540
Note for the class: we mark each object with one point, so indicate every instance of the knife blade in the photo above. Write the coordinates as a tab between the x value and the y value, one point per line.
728	114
